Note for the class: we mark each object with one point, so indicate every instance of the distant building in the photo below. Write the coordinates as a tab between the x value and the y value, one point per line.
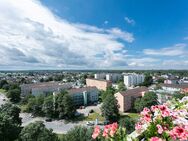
84	96
172	88
100	84
126	98
171	81
114	77
100	76
43	88
133	79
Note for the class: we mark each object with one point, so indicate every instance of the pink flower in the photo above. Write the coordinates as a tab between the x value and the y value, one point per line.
179	133
105	131
145	111
147	118
160	129
138	126
155	139
153	108
96	132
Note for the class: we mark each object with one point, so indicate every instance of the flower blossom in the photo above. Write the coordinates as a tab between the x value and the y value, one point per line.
155	139
160	129
96	132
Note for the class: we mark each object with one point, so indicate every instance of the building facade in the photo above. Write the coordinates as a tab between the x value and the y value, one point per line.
84	96
43	88
133	79
100	84
100	76
114	77
126	98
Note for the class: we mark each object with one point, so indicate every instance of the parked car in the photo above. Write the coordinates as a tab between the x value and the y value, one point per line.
90	123
48	120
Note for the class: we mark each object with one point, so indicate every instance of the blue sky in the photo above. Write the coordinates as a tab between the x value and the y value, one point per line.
98	34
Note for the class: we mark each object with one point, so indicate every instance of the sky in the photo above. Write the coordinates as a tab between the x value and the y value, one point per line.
93	34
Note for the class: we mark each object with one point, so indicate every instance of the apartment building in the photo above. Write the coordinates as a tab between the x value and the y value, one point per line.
100	84
114	77
172	88
126	98
100	76
84	96
133	79
43	88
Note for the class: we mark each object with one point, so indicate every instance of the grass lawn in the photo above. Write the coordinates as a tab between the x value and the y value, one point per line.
60	136
93	116
134	115
2	91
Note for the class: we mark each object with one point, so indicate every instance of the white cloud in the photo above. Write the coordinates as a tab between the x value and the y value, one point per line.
31	36
129	21
175	50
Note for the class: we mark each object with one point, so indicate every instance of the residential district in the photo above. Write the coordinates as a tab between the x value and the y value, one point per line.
66	100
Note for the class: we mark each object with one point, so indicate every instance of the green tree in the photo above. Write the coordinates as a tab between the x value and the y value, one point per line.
48	106
78	133
108	91
14	95
121	86
128	123
10	122
149	99
68	105
2	83
110	109
37	132
35	105
60	104
148	80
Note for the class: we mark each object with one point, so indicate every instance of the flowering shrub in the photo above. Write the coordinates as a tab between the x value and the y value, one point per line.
165	122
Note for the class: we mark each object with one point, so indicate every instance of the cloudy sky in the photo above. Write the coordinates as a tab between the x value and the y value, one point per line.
93	34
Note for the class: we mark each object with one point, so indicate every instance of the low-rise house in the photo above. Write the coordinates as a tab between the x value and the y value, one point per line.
84	96
171	81
100	84
126	98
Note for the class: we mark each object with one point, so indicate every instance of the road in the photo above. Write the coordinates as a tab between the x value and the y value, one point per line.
58	126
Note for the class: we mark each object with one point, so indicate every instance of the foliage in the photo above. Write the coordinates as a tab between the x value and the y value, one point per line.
10	122
121	86
14	95
35	105
68	105
2	83
48	107
147	81
110	109
160	80
109	91
37	132
127	123
78	133
149	99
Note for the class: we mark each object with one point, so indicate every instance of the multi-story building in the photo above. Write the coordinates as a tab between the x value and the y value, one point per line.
114	77
172	88
84	96
133	79
43	88
100	76
100	84
126	98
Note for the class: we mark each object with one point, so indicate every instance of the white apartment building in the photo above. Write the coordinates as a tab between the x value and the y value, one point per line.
114	77
133	79
100	76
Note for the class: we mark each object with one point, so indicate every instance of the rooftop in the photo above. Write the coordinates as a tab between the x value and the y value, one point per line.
136	91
